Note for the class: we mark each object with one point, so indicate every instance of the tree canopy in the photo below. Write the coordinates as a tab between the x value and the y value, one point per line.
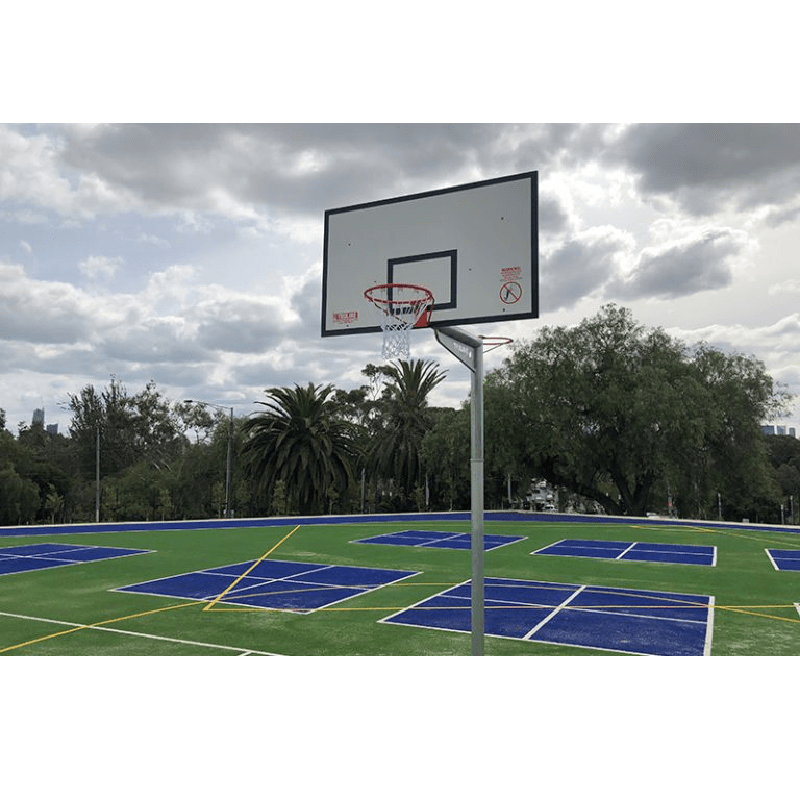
300	441
610	412
613	410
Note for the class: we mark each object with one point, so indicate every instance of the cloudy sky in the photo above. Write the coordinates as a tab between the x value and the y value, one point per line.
191	254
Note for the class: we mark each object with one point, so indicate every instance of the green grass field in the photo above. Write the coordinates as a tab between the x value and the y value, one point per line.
72	610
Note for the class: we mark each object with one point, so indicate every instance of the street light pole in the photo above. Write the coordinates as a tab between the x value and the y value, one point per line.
228	509
97	477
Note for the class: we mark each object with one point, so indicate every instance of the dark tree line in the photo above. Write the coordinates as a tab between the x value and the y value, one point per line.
615	415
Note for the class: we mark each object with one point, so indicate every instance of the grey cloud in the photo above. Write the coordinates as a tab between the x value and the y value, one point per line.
156	341
242	326
579	267
40	312
180	165
553	219
706	167
303	169
683	269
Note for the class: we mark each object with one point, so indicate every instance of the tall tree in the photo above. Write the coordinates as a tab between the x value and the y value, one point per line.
445	453
301	440
403	418
131	428
608	408
109	414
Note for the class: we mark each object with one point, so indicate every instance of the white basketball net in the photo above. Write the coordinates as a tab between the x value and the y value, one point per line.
398	308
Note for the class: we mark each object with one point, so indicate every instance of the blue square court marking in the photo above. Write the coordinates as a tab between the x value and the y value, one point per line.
443	540
632	621
785	560
277	585
45	555
703	555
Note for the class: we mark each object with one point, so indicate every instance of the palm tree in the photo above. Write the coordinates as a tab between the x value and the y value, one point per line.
404	419
301	441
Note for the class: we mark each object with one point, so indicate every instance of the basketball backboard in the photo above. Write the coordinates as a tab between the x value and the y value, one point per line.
474	246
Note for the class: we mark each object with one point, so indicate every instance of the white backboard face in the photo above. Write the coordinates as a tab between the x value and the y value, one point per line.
475	246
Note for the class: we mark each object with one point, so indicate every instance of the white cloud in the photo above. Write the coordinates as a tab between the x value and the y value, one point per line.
100	266
792	285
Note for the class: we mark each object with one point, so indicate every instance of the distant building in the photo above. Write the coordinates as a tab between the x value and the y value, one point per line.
38	416
52	430
778	430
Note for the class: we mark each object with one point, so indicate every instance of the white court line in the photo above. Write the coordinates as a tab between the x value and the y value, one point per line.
709	625
241	650
629	547
555	611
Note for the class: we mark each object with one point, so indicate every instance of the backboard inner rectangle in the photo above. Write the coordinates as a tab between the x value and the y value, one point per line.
437	272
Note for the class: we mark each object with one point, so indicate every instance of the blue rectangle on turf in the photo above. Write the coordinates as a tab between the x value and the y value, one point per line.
513	622
785	560
451	544
491	541
675	548
34	557
191	586
460	599
442	540
600	543
632	551
655	556
624	633
27	564
621	620
283	585
527	595
408	539
581	552
93	554
448	619
355	576
267	569
642	603
289	595
40	549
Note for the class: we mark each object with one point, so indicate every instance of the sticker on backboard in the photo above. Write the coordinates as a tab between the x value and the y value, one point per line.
510	292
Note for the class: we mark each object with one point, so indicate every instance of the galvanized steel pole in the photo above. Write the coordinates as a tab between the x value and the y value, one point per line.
476	468
468	350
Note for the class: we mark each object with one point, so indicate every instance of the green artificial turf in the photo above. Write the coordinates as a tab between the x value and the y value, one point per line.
73	610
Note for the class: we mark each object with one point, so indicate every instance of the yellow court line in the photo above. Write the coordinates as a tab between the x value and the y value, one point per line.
219	597
340	609
735	532
741	610
98	624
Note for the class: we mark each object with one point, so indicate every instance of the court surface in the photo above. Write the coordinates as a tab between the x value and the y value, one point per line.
633	551
785	560
621	620
446	540
30	557
268	584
